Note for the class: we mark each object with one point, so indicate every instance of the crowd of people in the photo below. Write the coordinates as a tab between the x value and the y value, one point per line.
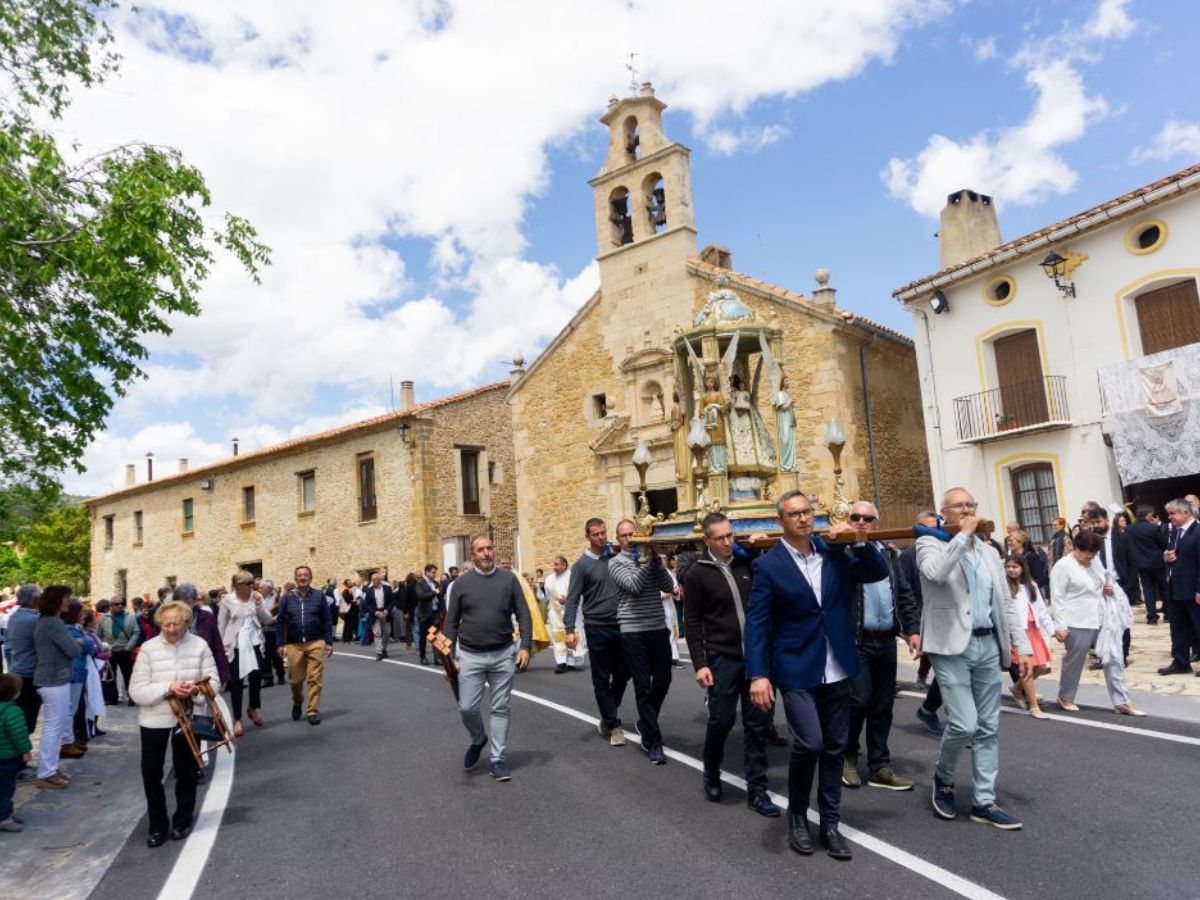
810	625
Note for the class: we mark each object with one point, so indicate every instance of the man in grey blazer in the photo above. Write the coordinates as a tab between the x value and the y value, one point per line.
969	622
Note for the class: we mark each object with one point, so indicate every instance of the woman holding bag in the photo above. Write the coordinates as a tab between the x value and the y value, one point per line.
241	619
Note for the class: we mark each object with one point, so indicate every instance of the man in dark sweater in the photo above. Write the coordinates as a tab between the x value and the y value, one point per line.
479	624
593	587
716	591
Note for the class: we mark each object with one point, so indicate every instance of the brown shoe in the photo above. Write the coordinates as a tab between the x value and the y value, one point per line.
70	751
54	783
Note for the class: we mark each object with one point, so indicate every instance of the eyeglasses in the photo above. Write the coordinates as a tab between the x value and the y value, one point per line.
797	514
962	504
861	517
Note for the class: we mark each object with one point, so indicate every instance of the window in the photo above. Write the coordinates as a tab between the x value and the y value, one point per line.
1146	237
599	405
632	140
172	580
619	217
1169	317
137	527
109	529
1000	290
656	203
1036	500
470	482
367	510
308	491
248	504
188	520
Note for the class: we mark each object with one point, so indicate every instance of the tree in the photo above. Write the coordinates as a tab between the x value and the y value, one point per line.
57	549
94	255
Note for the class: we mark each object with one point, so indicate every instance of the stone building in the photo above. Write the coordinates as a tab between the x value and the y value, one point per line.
1064	365
607	381
393	492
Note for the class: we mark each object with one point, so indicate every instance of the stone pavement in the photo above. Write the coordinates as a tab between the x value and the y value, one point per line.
71	836
1149	651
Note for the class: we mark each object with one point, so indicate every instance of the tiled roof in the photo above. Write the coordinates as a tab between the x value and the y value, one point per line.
1036	238
851	318
280	449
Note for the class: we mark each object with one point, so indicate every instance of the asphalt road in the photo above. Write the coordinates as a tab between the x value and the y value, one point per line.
374	802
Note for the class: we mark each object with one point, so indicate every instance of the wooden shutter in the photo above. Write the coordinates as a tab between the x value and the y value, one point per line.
1169	317
1019	372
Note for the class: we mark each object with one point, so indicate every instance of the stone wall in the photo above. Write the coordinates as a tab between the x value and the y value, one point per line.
416	491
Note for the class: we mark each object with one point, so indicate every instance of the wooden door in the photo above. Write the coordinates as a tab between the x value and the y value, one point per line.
1169	317
1019	373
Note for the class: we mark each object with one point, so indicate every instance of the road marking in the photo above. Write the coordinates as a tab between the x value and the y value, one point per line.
189	865
913	863
1089	723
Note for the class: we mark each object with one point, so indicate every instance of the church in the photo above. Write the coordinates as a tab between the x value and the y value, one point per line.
622	377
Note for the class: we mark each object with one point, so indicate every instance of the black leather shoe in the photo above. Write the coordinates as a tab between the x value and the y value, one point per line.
835	845
179	832
761	803
799	838
296	711
775	739
1173	669
314	719
156	839
712	788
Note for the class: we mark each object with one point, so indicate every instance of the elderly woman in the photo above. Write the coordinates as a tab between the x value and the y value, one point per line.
241	619
170	663
73	617
56	653
1089	610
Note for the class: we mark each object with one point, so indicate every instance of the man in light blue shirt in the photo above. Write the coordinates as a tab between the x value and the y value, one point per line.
883	610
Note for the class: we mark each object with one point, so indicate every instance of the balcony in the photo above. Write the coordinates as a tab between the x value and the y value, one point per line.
1017	409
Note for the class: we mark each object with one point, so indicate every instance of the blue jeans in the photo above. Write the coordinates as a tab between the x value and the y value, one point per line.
495	668
971	687
8	784
609	674
819	719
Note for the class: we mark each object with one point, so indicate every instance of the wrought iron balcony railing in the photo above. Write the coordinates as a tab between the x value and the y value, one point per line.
1035	405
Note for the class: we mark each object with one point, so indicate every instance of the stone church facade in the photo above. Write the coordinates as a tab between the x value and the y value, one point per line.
606	382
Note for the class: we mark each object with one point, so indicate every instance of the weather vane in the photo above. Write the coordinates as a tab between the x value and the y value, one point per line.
633	73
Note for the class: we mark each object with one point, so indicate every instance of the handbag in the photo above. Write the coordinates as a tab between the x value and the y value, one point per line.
204	728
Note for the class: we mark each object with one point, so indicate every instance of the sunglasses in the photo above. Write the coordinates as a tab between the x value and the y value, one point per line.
861	517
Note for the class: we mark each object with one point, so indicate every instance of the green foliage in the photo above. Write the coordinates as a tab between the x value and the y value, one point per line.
23	504
94	255
57	549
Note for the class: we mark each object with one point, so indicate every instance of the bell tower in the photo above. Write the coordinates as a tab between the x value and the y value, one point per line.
643	191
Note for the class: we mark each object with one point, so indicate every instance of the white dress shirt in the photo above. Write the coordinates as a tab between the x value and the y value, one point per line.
810	569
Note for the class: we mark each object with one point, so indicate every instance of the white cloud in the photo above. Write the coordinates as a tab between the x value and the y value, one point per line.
1019	164
985	49
340	131
1177	139
749	139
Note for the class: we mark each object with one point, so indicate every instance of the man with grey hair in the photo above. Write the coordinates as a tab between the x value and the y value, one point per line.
272	670
204	625
882	610
1182	557
21	652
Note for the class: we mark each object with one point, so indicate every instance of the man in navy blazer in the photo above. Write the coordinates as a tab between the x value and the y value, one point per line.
800	638
377	604
1148	542
1182	558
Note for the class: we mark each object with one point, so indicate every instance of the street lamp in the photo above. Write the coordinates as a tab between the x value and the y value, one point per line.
835	441
1055	267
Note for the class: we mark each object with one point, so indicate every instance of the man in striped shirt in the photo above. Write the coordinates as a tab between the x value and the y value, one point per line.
645	638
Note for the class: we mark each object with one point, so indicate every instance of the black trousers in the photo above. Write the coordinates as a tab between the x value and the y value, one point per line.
1154	592
933	697
122	661
79	723
648	657
350	626
872	695
154	757
423	626
30	702
1185	630
730	686
237	687
270	663
819	719
609	673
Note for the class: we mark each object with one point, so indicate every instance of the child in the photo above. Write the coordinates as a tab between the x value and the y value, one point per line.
1038	626
15	749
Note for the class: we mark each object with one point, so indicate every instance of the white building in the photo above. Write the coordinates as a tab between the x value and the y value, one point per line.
1040	394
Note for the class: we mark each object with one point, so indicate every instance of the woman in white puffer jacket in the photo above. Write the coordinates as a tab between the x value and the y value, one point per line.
170	663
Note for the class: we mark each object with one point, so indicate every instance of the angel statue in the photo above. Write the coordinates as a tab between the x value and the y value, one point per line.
750	443
713	412
785	408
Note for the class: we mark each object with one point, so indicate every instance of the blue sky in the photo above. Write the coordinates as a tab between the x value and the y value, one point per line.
420	168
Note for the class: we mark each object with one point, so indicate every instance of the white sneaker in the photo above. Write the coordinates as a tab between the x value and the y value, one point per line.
617	737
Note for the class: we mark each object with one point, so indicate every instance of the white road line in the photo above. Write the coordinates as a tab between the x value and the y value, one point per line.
913	863
189	865
1089	723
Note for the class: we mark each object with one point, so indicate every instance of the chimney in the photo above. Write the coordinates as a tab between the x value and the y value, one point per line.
969	227
149	466
130	475
407	396
183	465
518	367
235	446
823	295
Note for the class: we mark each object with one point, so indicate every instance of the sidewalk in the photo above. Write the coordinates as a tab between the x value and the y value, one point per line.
71	836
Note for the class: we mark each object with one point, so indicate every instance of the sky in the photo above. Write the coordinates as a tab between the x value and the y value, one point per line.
420	169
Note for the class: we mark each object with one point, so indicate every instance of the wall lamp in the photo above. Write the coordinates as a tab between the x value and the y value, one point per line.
939	303
404	430
1055	267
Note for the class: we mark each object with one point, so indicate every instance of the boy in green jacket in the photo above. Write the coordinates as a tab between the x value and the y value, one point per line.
15	749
